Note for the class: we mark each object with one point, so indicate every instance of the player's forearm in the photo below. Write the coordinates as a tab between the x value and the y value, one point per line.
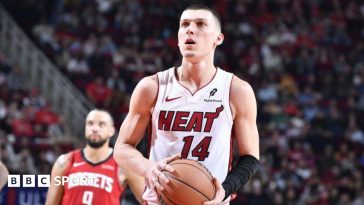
52	202
130	158
54	195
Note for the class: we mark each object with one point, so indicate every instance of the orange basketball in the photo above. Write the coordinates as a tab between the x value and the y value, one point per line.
190	184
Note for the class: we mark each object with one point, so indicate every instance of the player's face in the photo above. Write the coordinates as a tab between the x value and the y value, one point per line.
199	33
99	128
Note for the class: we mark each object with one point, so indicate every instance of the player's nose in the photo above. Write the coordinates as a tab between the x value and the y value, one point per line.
190	29
95	128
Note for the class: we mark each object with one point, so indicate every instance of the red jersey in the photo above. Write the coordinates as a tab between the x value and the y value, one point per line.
91	184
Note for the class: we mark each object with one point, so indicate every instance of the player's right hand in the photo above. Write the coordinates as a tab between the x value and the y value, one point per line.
154	175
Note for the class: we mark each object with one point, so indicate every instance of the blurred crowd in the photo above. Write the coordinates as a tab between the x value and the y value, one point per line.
305	60
32	135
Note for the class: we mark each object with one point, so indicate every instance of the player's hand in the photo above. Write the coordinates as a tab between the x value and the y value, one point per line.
219	196
155	177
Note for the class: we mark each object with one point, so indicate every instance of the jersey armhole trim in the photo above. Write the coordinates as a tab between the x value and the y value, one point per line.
157	96
229	111
68	168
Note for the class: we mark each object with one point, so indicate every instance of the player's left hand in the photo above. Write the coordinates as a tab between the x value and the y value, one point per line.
219	196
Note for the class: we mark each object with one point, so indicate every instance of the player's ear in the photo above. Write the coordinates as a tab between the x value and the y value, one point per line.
219	39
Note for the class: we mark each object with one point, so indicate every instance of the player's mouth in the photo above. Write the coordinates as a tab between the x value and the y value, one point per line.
190	41
94	136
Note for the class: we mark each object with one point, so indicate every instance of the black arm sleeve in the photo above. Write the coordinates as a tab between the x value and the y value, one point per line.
240	174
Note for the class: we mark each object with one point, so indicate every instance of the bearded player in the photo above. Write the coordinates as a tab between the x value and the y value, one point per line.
93	175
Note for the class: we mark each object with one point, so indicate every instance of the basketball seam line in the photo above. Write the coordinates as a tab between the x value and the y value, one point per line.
168	199
199	163
208	176
189	186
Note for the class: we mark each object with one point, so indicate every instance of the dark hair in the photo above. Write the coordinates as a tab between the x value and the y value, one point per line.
204	7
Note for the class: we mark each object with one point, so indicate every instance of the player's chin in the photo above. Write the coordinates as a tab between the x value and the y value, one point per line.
94	137
94	140
96	143
189	54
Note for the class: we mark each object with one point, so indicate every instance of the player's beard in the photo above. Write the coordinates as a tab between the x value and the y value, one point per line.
96	144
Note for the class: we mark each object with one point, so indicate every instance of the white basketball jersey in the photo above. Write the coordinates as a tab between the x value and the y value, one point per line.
198	126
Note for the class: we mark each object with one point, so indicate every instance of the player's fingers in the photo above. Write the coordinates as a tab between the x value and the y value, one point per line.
148	182
158	186
172	158
162	177
212	203
166	167
159	174
217	183
220	193
153	180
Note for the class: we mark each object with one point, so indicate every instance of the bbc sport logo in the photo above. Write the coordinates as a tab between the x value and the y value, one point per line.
29	180
45	180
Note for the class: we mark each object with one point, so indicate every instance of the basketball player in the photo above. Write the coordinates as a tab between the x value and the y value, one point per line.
94	177
193	111
3	175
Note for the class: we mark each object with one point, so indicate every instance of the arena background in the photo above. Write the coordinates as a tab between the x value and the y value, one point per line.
304	59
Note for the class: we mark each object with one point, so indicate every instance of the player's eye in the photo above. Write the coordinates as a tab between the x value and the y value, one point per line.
184	24
200	24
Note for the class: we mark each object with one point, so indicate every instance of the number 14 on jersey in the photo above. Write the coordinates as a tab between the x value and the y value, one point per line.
201	150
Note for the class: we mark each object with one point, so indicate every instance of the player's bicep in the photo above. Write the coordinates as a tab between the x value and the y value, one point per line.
55	191
247	137
133	128
141	103
245	127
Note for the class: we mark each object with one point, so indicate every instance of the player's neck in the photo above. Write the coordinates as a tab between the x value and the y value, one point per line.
195	75
97	155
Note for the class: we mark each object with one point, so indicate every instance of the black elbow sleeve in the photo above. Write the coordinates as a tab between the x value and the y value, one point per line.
240	174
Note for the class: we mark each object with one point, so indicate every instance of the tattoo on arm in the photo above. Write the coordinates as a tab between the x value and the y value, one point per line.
122	177
62	161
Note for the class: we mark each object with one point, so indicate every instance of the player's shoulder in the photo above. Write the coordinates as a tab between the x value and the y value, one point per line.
144	94
239	86
64	161
241	90
153	81
148	82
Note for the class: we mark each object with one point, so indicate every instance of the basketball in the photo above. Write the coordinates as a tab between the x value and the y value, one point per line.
190	184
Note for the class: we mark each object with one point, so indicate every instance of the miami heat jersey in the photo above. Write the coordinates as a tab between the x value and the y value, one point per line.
102	185
198	125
